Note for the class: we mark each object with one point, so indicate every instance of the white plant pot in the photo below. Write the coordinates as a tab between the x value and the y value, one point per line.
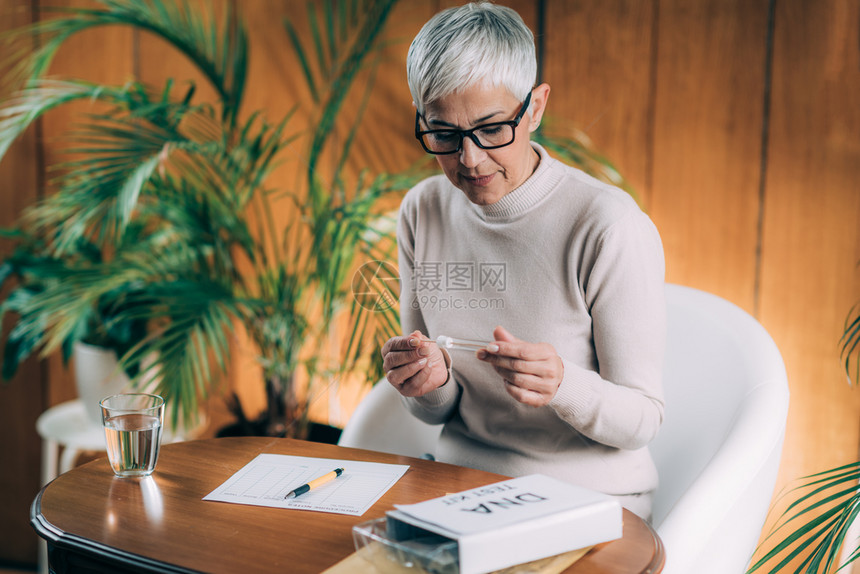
97	375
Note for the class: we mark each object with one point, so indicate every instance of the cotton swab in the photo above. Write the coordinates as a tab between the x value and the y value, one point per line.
446	342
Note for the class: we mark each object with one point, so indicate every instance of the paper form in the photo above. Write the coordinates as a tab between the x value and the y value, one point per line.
267	479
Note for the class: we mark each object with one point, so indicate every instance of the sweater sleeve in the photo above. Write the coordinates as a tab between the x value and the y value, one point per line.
621	405
437	406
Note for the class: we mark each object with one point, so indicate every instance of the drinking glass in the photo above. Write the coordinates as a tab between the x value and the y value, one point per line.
133	423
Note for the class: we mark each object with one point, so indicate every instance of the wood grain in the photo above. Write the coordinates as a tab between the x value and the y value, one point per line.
811	241
164	517
707	142
599	66
23	397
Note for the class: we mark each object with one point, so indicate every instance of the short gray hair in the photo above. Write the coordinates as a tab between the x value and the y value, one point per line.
465	46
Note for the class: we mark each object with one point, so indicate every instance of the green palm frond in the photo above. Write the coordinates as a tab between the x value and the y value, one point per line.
329	43
24	339
196	318
339	234
22	109
55	305
212	184
120	150
812	529
850	345
28	333
220	52
339	52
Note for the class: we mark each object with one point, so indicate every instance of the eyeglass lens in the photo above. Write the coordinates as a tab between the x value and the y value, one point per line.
488	136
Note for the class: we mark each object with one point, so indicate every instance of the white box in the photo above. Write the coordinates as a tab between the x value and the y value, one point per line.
512	521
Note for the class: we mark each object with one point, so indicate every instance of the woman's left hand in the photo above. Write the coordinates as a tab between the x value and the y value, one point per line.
532	371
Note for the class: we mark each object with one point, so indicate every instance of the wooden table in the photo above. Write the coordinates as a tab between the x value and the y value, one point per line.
94	521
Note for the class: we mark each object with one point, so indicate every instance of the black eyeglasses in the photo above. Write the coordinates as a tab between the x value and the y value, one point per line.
486	136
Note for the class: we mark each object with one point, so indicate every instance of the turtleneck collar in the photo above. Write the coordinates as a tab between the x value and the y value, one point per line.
527	195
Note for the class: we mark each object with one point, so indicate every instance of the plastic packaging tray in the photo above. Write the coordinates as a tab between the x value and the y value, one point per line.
428	553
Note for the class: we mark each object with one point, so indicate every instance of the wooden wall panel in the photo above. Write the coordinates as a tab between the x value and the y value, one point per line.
598	62
706	149
98	55
23	398
811	244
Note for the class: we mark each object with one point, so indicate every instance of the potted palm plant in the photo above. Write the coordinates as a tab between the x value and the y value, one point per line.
173	197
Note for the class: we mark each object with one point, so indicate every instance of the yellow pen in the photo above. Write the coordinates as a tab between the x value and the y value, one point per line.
314	483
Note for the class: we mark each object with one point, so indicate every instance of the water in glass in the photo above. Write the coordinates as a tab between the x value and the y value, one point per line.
132	443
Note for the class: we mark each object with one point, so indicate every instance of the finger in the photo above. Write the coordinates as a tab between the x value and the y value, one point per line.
523	380
538	359
393	344
525	396
416	338
396	359
399	375
422	382
540	369
545	387
403	343
502	334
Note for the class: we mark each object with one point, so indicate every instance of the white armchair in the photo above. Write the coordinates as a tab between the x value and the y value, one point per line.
719	448
717	452
382	423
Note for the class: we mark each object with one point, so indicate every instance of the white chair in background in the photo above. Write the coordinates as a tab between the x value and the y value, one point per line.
717	452
382	423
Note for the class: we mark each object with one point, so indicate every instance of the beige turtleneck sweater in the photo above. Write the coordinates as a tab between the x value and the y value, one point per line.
563	259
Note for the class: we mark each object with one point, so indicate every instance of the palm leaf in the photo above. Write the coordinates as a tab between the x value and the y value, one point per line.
299	50
337	69
850	342
813	527
101	191
25	107
196	317
223	63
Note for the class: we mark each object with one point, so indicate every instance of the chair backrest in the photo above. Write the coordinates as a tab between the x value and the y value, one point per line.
718	449
382	423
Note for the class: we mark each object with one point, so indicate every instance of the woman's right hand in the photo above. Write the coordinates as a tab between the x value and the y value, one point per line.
414	365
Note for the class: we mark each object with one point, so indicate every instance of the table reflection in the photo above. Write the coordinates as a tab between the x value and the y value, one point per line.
142	496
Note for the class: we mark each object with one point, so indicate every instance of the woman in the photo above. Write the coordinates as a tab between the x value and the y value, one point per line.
562	272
